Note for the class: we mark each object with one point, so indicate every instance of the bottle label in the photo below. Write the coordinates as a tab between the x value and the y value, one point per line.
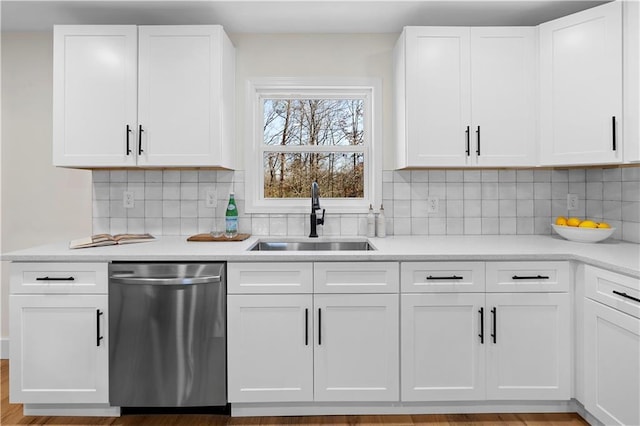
231	225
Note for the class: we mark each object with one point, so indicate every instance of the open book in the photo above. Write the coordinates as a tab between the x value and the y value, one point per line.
109	240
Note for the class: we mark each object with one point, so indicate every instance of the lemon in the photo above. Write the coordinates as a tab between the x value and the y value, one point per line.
561	220
588	224
573	221
604	225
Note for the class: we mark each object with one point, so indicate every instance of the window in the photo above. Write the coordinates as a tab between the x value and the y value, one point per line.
302	132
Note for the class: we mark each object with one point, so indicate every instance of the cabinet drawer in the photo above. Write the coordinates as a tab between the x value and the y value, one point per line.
269	277
442	277
528	276
356	277
612	289
58	278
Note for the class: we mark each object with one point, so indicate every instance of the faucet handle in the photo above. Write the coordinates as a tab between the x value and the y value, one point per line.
321	221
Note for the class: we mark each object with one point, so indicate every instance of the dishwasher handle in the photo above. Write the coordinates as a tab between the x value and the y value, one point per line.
128	279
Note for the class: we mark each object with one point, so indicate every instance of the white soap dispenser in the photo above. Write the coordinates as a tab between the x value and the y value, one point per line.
371	223
382	224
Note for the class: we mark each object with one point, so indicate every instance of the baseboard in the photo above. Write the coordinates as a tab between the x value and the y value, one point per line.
4	348
84	410
458	407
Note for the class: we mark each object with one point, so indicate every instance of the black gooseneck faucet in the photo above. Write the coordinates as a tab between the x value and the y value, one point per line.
315	206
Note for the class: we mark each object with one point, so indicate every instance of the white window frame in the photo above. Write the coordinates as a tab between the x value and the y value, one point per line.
258	89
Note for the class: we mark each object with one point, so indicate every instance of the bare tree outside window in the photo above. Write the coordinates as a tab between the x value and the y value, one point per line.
308	140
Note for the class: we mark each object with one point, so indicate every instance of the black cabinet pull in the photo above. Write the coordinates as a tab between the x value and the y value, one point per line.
98	336
306	327
128	132
626	296
140	130
494	334
319	326
613	131
55	279
481	335
468	150
529	277
452	277
478	148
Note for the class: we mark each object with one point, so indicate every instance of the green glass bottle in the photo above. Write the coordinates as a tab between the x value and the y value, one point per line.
231	218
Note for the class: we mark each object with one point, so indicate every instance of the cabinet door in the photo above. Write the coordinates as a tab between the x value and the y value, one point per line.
503	96
631	83
179	99
581	87
528	347
270	348
356	347
612	364
442	351
94	95
437	95
59	349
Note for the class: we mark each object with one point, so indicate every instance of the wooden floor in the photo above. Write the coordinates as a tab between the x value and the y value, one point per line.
12	415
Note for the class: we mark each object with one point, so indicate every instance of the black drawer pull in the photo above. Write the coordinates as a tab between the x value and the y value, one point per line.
452	277
98	336
530	277
55	279
626	296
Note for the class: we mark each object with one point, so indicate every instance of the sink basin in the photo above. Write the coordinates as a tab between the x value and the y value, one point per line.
311	246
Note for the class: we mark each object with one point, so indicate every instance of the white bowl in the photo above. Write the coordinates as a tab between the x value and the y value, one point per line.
583	235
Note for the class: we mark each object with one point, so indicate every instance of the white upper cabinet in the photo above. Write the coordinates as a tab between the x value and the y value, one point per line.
631	83
581	87
465	97
503	96
185	95
181	79
94	95
432	96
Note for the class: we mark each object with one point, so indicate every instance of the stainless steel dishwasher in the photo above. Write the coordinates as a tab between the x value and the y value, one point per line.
167	334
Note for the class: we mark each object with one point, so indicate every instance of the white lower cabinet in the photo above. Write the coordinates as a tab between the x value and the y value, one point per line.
59	349
442	354
270	348
612	365
312	347
527	338
356	347
612	347
459	346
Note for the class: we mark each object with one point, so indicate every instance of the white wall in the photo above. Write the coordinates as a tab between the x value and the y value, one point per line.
315	55
40	203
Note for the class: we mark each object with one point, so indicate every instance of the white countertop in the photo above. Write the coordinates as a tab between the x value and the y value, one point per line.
613	255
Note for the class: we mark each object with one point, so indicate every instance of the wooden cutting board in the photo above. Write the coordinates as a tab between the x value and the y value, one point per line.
209	237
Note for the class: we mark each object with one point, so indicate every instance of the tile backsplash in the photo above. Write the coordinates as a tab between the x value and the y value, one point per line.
170	202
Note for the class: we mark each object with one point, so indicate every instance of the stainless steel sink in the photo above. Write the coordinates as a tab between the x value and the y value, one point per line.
312	246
